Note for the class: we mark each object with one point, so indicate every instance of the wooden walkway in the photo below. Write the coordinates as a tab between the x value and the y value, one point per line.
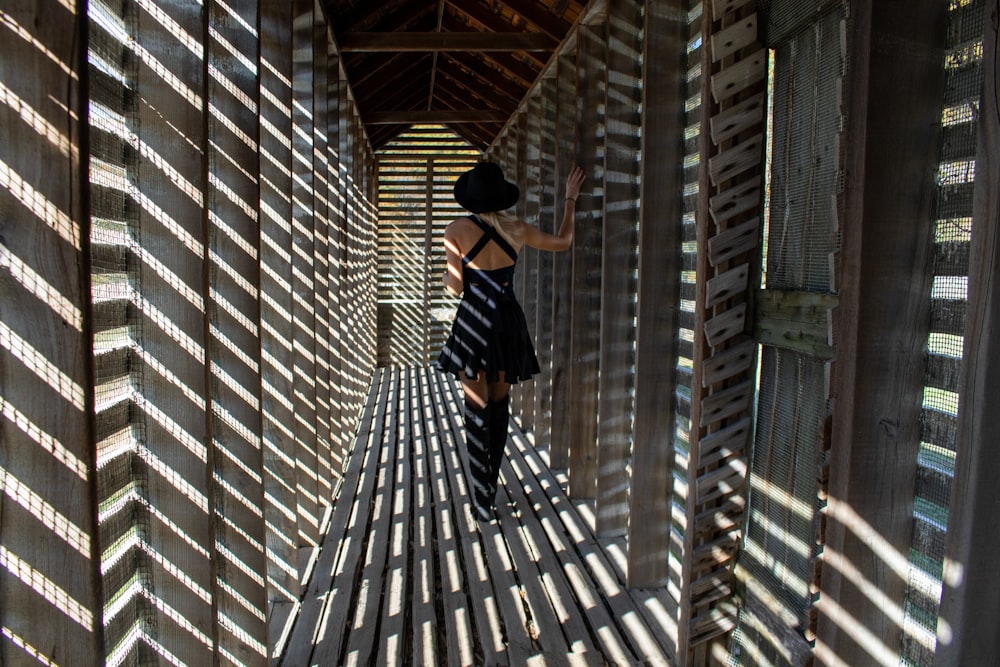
405	576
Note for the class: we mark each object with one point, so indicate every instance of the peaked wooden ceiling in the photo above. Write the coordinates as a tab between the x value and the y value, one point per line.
464	63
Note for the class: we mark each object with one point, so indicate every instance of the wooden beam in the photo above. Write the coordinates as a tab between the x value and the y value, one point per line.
796	320
235	456
436	116
620	261
534	59
275	287
527	179
479	83
374	42
585	337
549	189
434	58
969	607
893	106
657	309
303	304
562	265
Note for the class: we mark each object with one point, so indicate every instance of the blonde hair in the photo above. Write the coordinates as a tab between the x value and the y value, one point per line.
504	223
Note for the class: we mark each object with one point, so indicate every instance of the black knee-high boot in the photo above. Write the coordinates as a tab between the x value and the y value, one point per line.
477	439
499	417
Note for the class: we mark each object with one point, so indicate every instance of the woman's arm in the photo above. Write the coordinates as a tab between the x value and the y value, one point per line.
452	278
562	240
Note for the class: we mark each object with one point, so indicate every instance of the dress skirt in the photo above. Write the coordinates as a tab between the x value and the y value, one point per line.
490	334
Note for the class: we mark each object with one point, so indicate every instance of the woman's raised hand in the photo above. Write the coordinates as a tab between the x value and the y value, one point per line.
573	182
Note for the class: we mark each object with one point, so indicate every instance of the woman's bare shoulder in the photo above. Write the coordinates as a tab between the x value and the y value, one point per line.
458	225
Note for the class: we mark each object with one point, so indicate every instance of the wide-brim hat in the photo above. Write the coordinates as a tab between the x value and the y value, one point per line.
483	189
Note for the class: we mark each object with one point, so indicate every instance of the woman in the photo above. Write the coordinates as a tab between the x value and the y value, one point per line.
489	347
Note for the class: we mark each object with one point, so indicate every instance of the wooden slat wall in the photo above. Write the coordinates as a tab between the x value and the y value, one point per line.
112	102
792	325
586	110
714	468
684	334
416	175
336	260
49	552
207	346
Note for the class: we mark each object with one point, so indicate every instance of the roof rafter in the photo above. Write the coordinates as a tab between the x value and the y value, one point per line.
540	19
485	77
437	116
371	42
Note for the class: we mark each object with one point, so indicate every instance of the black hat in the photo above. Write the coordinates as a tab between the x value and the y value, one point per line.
483	189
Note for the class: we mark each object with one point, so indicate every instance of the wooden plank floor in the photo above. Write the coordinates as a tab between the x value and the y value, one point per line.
406	576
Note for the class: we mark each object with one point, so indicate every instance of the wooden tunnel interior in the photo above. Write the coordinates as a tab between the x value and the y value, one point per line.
769	360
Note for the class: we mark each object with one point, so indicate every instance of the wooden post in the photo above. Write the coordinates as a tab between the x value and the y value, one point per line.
303	308
618	263
528	161
50	588
351	271
548	204
562	267
586	297
325	477
893	98
970	609
656	308
233	369
173	412
431	280
276	299
340	438
518	149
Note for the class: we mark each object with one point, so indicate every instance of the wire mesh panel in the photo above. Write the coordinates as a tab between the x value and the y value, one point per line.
939	415
416	175
121	479
802	233
171	396
805	173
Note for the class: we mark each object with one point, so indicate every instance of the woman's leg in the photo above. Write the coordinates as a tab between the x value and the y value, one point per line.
477	440
498	417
